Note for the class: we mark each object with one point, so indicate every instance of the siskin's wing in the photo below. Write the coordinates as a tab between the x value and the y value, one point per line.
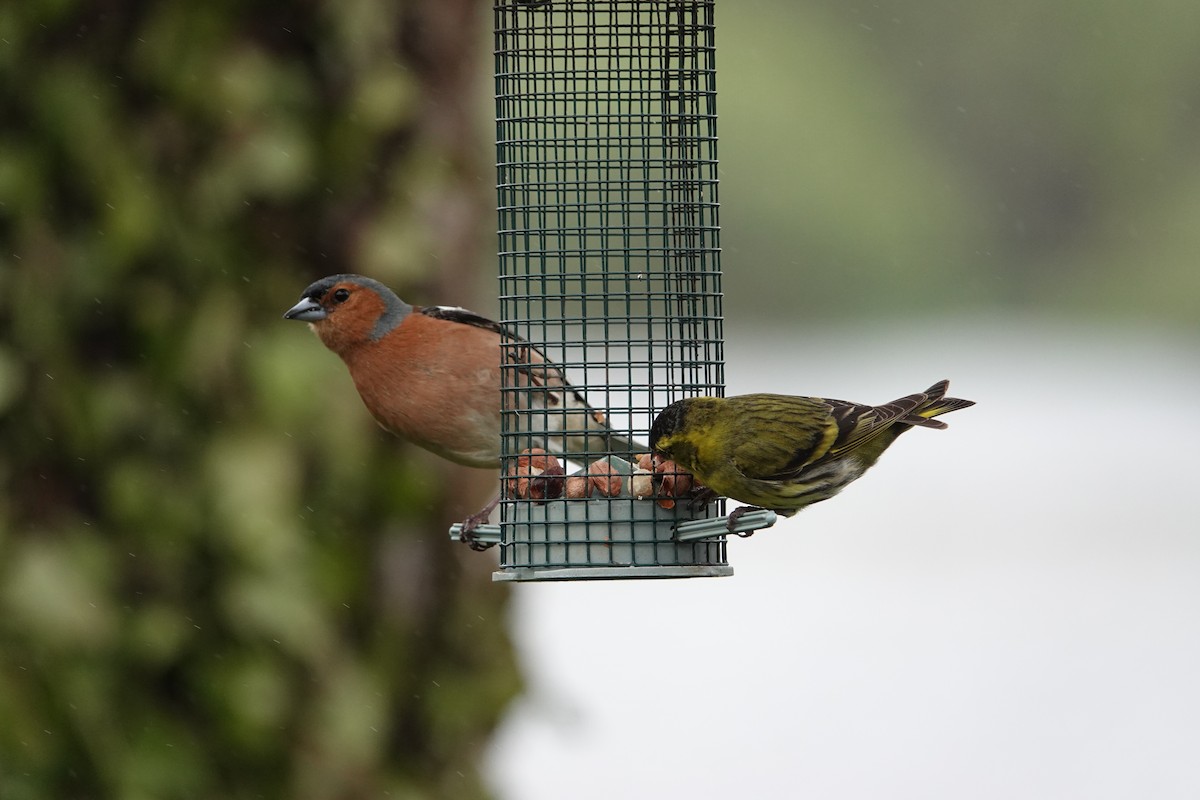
781	436
859	424
775	436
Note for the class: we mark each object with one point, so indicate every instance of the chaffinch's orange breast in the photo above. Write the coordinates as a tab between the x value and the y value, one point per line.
436	383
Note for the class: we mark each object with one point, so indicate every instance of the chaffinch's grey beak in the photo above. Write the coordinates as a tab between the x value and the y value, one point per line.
307	310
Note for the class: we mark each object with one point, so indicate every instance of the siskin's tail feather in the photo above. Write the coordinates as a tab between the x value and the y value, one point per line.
934	404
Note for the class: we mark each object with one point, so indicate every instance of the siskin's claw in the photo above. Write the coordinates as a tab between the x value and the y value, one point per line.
701	497
735	515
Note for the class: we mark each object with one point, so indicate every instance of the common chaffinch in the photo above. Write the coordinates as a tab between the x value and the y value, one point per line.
431	375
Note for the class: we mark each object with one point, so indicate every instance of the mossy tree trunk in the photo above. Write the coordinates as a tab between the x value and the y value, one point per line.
218	578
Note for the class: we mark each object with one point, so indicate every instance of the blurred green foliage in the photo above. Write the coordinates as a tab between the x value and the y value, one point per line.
218	578
902	157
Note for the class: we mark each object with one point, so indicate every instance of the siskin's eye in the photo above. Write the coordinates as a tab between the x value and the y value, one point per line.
341	295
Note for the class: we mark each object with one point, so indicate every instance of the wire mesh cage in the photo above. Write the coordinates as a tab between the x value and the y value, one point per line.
610	269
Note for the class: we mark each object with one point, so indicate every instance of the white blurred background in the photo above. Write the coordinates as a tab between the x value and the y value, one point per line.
1000	196
1009	608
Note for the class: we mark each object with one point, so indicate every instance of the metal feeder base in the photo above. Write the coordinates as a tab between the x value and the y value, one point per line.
603	540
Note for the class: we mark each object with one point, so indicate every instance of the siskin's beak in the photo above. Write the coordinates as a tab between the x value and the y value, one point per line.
307	310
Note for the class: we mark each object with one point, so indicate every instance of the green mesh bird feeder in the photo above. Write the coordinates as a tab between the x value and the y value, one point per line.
609	267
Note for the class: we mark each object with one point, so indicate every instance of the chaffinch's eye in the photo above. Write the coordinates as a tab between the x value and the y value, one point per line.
341	295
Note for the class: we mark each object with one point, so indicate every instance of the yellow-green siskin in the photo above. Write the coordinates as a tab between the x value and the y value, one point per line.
784	453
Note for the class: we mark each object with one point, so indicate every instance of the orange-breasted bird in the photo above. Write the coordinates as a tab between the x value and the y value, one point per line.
431	375
783	453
